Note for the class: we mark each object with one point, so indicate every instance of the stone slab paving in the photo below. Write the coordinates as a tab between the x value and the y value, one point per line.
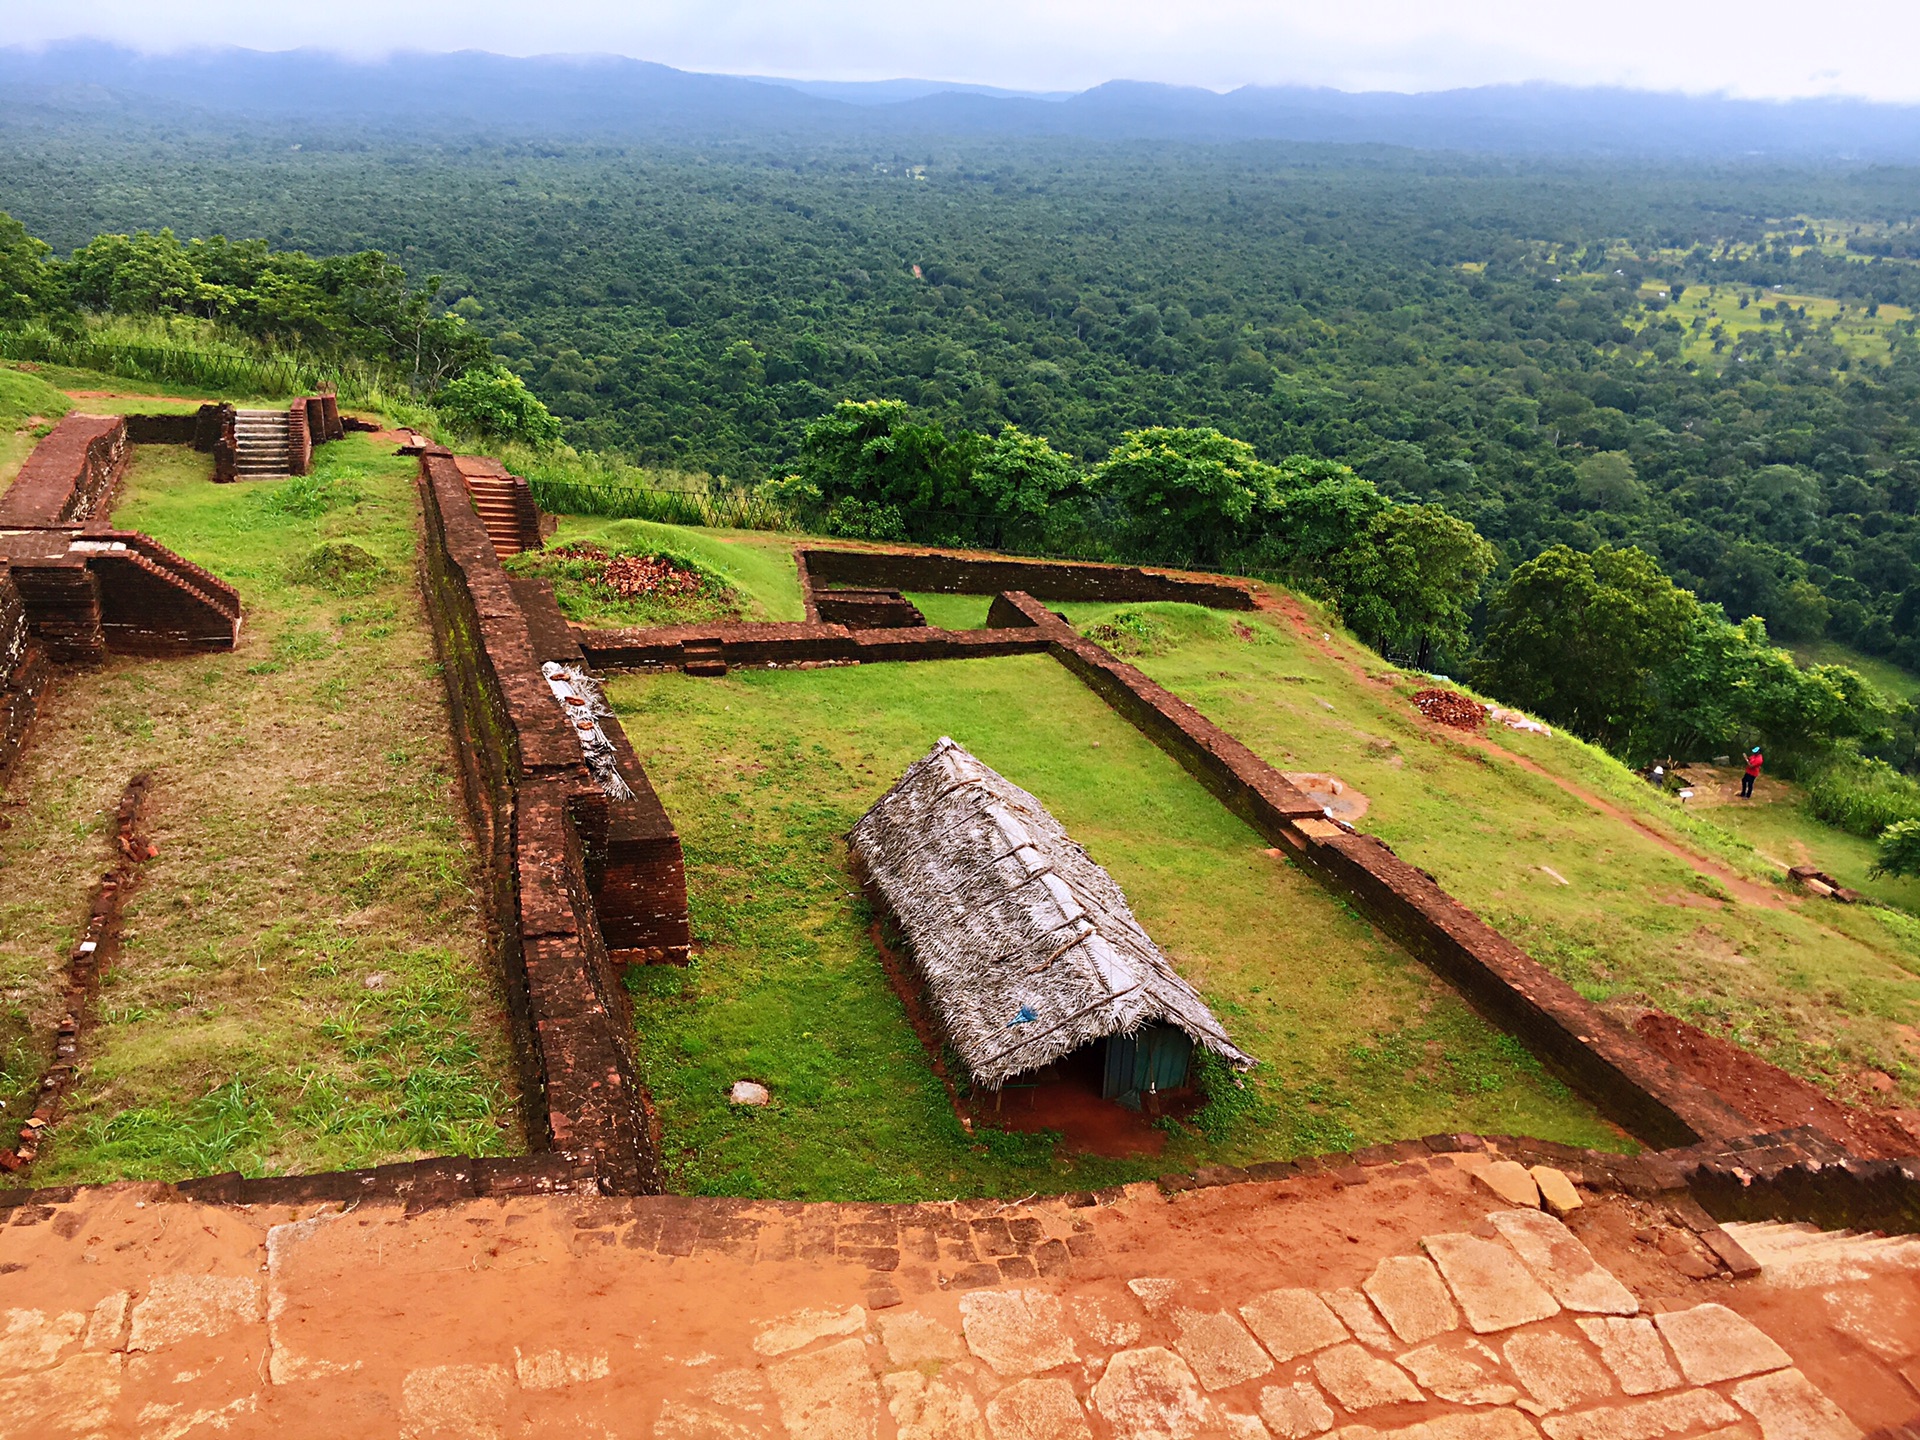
1406	1310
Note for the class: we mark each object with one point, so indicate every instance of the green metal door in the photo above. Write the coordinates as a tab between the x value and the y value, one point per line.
1154	1058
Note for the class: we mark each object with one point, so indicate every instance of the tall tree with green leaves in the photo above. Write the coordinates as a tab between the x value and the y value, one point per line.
29	285
1577	638
1192	494
1408	584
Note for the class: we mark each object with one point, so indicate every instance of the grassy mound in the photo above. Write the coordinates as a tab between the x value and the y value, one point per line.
339	567
629	586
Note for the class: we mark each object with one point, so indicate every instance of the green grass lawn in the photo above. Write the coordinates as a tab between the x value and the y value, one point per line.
305	984
765	771
759	566
1779	826
1824	990
952	612
29	408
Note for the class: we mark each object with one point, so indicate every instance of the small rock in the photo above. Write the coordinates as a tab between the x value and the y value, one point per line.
1510	1181
1555	1189
749	1092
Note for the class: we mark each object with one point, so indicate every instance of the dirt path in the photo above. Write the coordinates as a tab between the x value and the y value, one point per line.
1743	889
132	1313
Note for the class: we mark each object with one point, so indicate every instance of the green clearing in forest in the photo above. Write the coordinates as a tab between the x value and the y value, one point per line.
765	771
304	984
1824	990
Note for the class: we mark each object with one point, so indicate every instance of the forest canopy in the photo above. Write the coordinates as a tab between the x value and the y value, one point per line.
1396	380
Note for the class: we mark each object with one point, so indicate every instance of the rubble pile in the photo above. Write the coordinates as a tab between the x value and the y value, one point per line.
1450	707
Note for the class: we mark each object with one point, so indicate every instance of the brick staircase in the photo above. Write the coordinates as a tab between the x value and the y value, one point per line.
263	445
703	657
504	504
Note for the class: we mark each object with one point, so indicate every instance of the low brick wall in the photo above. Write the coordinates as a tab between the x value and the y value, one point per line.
1802	1174
23	673
576	878
88	592
1049	580
1603	1059
71	474
163	429
751	646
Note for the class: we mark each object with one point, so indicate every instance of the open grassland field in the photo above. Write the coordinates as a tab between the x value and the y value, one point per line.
304	983
764	773
1824	990
1780	827
758	567
99	393
1716	323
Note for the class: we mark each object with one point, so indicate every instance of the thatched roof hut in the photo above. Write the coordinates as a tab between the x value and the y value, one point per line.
1027	947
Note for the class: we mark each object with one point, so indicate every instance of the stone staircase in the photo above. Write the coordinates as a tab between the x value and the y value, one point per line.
1802	1255
497	499
263	446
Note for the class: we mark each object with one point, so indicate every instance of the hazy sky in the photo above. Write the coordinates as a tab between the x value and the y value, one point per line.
1755	47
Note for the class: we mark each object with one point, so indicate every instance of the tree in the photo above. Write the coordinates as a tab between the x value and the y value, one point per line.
1408	585
1021	477
29	286
1322	510
1897	851
899	474
495	404
1190	493
1607	481
1577	638
1728	686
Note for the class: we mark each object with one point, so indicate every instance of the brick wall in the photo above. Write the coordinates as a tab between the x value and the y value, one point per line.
1048	580
299	439
1604	1060
23	673
71	474
553	838
163	429
799	643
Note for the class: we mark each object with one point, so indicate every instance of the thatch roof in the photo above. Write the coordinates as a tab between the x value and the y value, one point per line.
1027	946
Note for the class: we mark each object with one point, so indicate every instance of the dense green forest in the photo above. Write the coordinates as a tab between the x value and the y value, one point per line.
1400	359
1718	366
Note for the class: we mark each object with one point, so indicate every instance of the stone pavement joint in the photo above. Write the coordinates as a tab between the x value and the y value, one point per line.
1218	1348
1296	1411
1631	1349
1360	1381
1789	1408
1656	1419
1293	1322
1557	1370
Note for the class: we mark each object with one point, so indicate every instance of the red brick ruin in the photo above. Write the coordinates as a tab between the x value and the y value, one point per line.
585	871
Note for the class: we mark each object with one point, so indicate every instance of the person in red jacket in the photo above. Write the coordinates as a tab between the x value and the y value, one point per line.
1754	761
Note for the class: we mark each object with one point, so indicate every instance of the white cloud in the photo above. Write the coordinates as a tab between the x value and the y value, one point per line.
1757	48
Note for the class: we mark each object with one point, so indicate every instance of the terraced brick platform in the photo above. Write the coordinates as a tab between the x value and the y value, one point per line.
1390	1301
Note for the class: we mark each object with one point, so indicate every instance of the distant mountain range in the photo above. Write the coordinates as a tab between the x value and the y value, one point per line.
608	97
